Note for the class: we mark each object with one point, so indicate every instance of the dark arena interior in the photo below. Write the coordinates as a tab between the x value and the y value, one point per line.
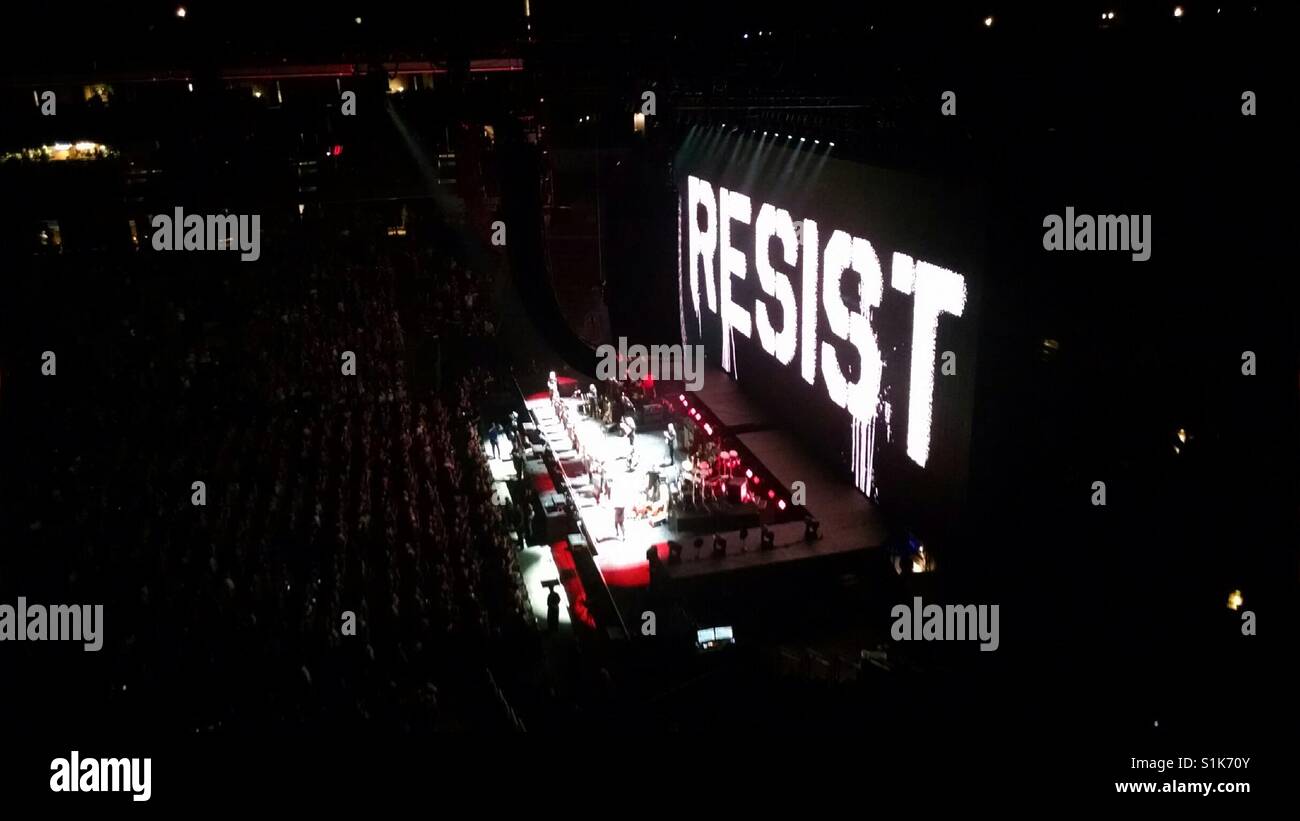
513	390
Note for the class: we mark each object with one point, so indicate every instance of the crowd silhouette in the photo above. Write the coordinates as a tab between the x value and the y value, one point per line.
347	559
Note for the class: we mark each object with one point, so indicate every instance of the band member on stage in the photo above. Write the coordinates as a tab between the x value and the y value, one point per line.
670	436
699	473
552	611
553	385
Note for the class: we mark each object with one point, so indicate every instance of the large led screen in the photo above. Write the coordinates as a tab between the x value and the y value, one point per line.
843	297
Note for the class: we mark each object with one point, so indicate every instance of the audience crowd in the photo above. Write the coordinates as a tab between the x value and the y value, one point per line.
342	556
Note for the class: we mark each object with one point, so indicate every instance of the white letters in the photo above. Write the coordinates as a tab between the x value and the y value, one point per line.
808	364
842	253
734	206
703	244
776	222
935	290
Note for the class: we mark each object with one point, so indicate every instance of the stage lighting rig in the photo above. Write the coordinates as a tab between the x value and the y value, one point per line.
811	529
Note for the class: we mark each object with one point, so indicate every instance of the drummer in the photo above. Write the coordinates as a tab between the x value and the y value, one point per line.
700	476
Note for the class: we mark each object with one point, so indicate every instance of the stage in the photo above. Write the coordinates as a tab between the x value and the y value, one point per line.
849	522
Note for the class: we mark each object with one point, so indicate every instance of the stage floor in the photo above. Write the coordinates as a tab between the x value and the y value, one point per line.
621	561
723	397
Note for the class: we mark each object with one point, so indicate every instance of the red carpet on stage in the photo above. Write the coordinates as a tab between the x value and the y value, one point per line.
572	584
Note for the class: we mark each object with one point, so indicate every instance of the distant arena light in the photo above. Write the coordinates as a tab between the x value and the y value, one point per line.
58	152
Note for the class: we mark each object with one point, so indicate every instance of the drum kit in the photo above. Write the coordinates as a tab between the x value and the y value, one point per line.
728	463
702	483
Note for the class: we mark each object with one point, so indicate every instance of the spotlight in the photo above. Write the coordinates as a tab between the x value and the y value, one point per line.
803	139
1178	11
832	145
180	12
781	504
1182	435
771	494
681	396
920	561
811	528
988	22
1235	600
